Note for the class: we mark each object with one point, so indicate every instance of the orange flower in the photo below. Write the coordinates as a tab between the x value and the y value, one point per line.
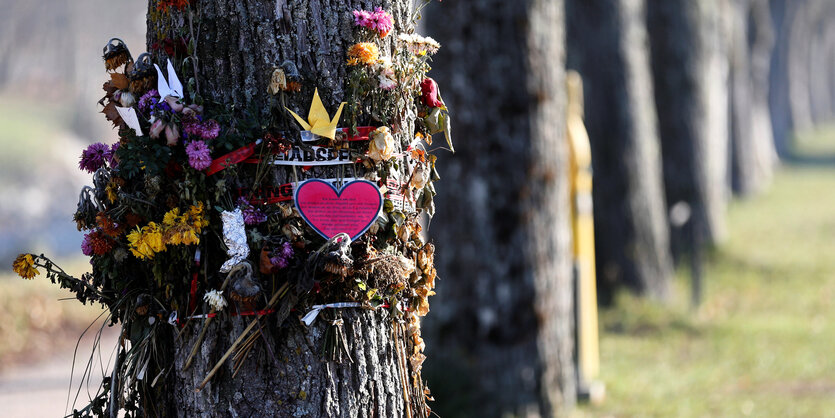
100	243
24	265
108	226
365	53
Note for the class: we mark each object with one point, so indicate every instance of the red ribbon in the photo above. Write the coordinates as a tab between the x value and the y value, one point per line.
243	153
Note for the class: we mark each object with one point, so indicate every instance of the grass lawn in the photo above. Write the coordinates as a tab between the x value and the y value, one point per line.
762	343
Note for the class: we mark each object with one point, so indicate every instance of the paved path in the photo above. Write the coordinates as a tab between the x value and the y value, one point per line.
40	389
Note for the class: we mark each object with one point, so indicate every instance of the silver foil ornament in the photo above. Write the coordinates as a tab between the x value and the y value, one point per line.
234	236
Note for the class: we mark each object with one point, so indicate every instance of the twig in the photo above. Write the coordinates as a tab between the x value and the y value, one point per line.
276	296
205	328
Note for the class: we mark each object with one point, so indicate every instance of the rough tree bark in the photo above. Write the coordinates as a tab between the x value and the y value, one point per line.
750	42
500	337
691	76
238	44
607	44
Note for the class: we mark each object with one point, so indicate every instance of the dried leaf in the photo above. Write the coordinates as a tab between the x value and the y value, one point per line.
109	89
112	114
120	81
448	131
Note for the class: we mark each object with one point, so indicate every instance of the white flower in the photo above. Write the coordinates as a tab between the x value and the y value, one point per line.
419	45
420	176
387	83
127	99
385	71
215	299
381	144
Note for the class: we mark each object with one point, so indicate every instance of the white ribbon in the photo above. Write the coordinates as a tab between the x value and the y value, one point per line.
314	312
172	319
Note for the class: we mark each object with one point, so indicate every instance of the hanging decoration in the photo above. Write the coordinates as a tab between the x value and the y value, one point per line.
330	211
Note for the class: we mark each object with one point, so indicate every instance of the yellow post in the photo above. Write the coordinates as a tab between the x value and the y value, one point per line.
588	356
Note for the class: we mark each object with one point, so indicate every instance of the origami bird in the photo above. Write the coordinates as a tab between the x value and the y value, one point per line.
173	87
318	122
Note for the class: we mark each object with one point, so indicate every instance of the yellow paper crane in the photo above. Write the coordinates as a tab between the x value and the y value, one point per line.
318	122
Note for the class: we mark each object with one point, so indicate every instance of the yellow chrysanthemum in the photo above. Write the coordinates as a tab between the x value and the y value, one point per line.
183	229
365	52
181	234
153	236
189	237
171	218
196	218
146	242
24	265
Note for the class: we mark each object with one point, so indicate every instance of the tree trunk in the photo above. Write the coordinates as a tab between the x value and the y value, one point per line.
691	76
750	41
607	45
783	14
237	46
820	68
800	38
501	332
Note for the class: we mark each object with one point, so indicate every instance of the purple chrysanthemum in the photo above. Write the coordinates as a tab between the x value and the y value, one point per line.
148	101
87	244
161	105
207	130
252	215
199	155
282	256
94	157
191	127
112	158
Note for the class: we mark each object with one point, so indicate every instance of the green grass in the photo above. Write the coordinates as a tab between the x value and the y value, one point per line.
762	343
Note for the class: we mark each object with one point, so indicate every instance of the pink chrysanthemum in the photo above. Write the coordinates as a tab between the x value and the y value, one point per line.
379	20
384	23
199	155
207	130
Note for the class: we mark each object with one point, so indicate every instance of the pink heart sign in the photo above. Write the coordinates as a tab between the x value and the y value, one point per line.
352	209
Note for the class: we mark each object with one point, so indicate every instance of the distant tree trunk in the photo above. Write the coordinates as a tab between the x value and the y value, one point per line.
778	84
238	43
691	77
607	42
798	59
820	63
501	336
750	42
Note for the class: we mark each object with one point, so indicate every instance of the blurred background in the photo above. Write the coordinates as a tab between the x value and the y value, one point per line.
705	126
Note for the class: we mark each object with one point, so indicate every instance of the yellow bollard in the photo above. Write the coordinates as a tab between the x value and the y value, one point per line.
588	355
